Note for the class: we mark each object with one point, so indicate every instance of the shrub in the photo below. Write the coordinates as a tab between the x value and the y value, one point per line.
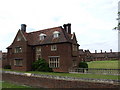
83	65
41	65
7	67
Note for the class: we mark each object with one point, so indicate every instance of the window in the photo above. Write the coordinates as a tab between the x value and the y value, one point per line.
42	36
74	63
75	48
38	52
18	62
56	34
54	62
18	49
53	47
18	38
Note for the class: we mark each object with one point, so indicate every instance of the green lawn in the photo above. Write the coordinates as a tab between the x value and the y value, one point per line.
96	76
113	64
11	85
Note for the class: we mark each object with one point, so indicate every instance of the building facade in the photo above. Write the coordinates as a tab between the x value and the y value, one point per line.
56	45
87	56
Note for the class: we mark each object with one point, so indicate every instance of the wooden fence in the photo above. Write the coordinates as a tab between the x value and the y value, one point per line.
95	71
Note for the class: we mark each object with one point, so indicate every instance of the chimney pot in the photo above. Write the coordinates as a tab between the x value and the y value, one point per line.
101	51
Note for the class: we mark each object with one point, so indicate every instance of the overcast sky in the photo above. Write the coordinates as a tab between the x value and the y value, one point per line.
92	20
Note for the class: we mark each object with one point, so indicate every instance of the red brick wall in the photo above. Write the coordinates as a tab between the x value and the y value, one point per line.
54	83
64	50
12	55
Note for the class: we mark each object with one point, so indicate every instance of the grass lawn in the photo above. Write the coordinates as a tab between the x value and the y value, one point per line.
96	76
11	85
113	64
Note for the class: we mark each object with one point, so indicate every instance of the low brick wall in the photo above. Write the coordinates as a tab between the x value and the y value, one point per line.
46	82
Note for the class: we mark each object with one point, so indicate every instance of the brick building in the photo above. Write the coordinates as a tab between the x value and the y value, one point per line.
105	55
56	45
3	59
86	55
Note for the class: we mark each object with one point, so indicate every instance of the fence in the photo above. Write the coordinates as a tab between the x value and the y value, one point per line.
95	71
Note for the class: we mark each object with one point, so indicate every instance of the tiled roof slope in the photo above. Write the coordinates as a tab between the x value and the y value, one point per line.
34	39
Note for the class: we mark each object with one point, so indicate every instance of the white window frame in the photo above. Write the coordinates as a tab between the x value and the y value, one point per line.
75	47
54	62
53	47
56	34
18	62
42	36
18	49
38	52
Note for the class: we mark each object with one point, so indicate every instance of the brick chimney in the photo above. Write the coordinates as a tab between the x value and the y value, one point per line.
23	27
95	51
67	28
111	50
101	51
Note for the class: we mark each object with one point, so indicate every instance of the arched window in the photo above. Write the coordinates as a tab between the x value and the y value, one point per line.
56	34
42	36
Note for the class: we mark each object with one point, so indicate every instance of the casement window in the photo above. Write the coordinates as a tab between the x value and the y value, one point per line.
18	49
74	63
54	62
75	48
19	38
38	52
53	47
42	36
56	34
18	62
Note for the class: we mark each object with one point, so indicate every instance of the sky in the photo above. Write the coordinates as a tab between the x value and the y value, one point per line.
91	20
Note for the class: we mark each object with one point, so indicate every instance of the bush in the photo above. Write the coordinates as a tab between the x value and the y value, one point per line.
7	67
41	65
83	65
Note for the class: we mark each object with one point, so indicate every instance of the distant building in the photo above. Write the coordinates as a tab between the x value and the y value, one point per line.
56	45
86	55
105	56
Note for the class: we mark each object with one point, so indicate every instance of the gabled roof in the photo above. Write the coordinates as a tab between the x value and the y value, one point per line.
33	38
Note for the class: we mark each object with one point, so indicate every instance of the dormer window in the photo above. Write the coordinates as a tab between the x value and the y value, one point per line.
42	36
56	34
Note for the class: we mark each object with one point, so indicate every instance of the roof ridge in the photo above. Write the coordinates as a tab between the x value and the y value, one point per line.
44	29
